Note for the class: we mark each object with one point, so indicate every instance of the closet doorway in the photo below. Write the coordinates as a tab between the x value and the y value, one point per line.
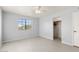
57	28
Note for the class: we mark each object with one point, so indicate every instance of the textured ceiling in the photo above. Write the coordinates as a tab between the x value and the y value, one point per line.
30	10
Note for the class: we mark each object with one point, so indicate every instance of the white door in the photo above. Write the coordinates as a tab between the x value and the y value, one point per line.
76	28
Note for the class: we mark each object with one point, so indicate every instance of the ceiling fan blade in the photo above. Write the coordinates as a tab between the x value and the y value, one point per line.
40	9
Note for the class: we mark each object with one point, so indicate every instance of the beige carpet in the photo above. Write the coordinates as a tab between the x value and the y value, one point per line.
37	45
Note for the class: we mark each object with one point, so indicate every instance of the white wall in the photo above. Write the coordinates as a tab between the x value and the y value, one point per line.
10	31
46	26
0	27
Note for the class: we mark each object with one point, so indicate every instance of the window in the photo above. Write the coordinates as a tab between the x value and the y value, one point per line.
24	24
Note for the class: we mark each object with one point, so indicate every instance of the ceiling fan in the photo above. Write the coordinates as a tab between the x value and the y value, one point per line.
40	9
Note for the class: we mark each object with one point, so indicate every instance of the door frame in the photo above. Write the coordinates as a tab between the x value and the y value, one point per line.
57	19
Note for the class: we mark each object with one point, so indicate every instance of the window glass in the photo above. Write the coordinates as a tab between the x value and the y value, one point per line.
24	24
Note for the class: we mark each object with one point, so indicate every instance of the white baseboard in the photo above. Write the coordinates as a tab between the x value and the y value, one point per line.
10	40
17	39
67	43
47	37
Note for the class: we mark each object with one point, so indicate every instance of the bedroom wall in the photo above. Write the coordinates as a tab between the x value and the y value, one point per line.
10	31
46	26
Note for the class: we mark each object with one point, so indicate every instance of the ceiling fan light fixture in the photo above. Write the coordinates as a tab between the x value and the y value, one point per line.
37	11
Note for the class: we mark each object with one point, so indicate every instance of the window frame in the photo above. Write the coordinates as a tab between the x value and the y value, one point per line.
27	23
